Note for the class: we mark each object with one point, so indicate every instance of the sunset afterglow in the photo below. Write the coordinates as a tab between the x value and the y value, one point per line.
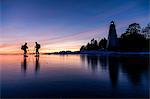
65	25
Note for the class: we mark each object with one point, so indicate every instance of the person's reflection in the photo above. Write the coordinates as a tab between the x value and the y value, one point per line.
37	64
113	70
24	65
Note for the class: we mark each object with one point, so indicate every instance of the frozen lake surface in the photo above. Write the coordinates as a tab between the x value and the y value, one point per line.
84	76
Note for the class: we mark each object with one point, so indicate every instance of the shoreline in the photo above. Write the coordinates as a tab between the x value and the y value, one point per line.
91	52
102	53
113	52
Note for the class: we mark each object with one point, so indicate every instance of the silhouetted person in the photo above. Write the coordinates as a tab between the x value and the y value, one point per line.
37	47
24	48
37	65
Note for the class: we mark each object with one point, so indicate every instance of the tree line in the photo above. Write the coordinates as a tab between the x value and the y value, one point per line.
133	39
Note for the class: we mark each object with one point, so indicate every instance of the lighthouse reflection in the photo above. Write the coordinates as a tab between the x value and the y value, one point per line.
133	67
113	66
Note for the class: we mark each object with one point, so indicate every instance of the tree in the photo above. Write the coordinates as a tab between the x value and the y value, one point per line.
146	31
82	48
92	41
132	40
88	46
102	44
95	45
133	28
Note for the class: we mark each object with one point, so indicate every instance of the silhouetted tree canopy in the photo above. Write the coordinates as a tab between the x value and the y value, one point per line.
132	40
82	48
88	46
146	31
103	43
133	28
94	45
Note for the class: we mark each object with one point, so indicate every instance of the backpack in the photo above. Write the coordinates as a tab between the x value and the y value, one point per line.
38	46
22	47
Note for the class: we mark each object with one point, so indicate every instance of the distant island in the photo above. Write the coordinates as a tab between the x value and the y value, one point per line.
134	40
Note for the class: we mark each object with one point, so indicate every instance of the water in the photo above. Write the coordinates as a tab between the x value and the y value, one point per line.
74	76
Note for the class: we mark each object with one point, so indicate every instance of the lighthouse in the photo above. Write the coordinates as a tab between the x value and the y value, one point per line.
112	43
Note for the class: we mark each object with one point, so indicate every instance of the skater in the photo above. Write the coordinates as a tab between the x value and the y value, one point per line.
24	48
37	47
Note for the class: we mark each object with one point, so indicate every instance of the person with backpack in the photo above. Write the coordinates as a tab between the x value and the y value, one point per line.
37	47
24	48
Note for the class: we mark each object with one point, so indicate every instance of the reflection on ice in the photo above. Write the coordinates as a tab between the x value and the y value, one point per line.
74	76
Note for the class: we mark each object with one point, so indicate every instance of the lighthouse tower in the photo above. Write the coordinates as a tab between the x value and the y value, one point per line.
112	43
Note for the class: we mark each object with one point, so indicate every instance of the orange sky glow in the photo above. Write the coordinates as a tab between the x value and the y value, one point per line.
59	29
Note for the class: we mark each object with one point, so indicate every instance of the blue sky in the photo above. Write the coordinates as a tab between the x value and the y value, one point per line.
65	24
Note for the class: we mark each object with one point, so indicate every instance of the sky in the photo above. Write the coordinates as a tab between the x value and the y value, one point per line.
65	24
